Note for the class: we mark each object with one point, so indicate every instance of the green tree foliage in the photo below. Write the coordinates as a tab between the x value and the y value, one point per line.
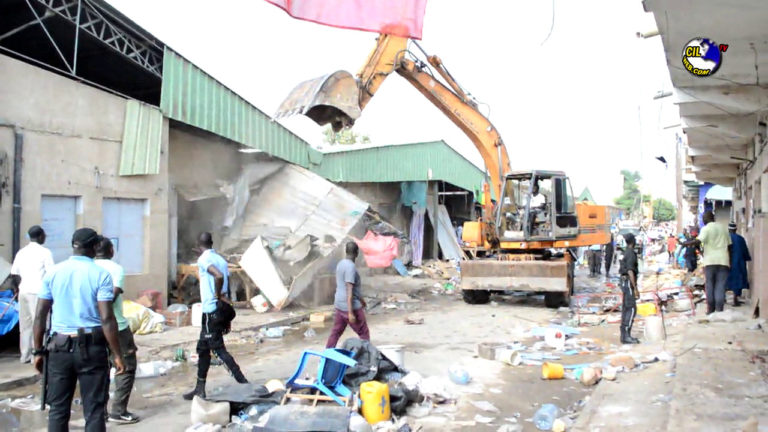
663	210
630	199
344	136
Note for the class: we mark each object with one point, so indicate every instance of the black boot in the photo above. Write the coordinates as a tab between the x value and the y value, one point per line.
198	391
629	334
626	338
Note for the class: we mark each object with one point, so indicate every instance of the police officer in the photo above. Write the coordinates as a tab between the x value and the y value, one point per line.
78	294
628	270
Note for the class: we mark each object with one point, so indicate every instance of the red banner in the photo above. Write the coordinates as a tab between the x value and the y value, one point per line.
396	17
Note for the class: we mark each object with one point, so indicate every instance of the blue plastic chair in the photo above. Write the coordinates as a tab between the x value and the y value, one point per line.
330	374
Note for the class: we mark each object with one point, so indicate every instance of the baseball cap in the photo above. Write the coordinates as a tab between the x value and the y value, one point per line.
85	237
732	225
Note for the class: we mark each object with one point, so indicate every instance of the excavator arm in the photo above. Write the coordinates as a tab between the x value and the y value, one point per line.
331	99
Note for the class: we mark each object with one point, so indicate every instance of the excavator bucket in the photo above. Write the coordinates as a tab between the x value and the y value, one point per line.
332	98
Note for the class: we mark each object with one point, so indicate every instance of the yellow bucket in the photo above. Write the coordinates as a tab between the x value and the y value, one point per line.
375	401
552	370
645	309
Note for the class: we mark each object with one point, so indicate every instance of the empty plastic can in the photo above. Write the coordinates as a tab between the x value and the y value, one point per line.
375	401
552	370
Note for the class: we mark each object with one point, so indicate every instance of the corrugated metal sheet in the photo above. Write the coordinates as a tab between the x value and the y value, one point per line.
191	96
142	139
408	162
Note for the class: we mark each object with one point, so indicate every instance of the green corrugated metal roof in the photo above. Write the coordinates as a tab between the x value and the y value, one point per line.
396	163
142	139
191	96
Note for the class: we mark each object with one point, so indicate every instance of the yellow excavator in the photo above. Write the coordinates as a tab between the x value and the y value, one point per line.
530	224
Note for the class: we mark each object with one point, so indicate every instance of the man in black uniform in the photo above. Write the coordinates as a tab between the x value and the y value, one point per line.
628	271
78	294
609	256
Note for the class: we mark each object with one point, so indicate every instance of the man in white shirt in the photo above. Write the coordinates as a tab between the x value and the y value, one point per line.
30	265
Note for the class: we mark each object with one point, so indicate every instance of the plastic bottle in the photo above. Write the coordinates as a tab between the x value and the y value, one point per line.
545	417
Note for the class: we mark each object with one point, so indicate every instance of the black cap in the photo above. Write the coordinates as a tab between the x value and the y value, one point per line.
732	225
85	237
629	238
35	231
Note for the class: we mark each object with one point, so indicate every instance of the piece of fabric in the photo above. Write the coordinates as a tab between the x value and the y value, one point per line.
396	17
346	272
32	262
118	280
124	382
340	323
737	278
65	370
76	286
378	250
207	282
417	235
212	340
414	194
141	320
715	239
27	309
716	280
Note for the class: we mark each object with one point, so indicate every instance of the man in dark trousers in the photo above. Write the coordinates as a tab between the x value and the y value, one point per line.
349	303
78	294
124	382
214	277
628	269
609	256
716	242
737	278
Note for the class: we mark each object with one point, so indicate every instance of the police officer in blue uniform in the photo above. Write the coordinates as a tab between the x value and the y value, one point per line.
78	294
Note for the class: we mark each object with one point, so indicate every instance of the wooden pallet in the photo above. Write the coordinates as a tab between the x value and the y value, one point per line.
315	396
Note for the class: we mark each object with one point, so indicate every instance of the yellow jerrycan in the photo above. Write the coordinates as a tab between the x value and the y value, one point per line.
375	401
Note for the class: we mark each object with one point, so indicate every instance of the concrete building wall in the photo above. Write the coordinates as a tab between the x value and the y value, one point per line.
751	211
72	139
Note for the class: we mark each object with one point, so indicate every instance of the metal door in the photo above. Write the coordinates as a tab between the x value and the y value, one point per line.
123	223
59	214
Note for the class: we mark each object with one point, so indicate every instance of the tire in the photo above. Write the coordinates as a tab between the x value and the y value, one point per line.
476	296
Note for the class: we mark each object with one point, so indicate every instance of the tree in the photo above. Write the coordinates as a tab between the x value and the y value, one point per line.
344	136
663	210
631	197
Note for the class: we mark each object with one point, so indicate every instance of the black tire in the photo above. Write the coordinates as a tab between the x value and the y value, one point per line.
476	296
554	300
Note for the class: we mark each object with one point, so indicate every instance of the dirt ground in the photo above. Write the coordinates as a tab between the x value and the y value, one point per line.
449	335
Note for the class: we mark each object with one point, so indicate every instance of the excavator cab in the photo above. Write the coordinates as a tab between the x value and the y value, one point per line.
536	206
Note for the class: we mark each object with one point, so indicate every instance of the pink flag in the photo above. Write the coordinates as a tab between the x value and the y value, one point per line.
396	17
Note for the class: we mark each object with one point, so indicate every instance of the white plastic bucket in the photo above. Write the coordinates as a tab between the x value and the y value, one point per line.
197	315
654	329
394	353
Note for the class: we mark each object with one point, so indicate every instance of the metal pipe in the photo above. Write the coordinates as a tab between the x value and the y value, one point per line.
77	38
18	148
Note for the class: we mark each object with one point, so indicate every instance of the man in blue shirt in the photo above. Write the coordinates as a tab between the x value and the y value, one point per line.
213	275
78	294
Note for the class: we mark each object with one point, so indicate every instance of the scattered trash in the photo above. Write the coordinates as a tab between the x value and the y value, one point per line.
555	338
259	303
552	371
729	315
419	410
203	427
496	390
414	321
562	424
488	350
412	380
154	368
589	376
358	424
374	396
542	331
510	428
274	385
545	417
610	373
180	355
756	325
654	329
400	267
482	419
394	352
662	398
273	332
318	317
310	333
459	375
203	411
485	406
625	361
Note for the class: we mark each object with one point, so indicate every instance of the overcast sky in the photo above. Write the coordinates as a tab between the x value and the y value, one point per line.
581	102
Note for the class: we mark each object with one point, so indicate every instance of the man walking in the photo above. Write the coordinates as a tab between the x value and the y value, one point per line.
628	269
349	303
609	256
737	278
595	260
214	278
79	294
124	382
715	241
29	267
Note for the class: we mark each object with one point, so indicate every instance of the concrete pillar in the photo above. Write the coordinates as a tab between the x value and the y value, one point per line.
435	204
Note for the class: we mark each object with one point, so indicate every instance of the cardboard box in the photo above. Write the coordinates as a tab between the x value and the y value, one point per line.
177	319
319	317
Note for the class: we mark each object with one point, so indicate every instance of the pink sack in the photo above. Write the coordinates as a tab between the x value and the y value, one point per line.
378	250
